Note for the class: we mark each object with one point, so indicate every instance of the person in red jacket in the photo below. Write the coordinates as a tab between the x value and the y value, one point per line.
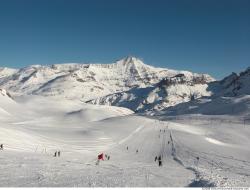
100	156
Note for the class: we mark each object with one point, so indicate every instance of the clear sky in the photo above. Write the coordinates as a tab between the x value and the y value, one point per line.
208	36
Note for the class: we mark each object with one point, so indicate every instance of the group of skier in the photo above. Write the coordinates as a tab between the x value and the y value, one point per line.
101	157
158	158
107	156
137	150
162	131
57	154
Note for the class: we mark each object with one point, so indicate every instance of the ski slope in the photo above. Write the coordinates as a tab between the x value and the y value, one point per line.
81	132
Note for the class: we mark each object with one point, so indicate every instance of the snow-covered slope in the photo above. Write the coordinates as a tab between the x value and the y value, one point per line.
184	95
230	96
236	106
84	81
169	91
232	85
132	142
6	103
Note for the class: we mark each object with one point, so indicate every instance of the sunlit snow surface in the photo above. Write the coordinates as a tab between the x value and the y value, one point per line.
207	152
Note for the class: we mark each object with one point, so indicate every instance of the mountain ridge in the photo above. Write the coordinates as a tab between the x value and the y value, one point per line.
84	81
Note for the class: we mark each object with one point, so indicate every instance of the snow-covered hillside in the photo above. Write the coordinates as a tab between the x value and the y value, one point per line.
7	104
84	81
82	131
5	72
232	85
181	94
230	96
168	92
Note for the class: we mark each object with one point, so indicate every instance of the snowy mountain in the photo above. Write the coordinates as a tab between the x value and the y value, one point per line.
230	96
198	94
5	72
132	84
169	91
85	81
232	85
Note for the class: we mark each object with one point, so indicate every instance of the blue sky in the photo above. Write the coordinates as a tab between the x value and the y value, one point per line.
208	36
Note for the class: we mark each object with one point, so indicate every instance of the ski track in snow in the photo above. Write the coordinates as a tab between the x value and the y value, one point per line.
214	141
131	135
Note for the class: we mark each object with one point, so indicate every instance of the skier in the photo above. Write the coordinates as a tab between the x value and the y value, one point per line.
137	151
97	162
59	153
160	161
197	161
168	142
55	154
1	147
100	156
108	157
127	147
155	158
197	158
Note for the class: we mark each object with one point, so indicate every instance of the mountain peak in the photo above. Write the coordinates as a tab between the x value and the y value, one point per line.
130	60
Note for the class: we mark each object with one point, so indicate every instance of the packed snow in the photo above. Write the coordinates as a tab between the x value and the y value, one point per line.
194	152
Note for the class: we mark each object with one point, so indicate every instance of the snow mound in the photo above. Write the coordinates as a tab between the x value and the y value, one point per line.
97	113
